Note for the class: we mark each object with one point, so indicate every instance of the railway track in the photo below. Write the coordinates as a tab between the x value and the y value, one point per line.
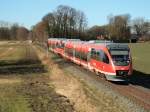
137	94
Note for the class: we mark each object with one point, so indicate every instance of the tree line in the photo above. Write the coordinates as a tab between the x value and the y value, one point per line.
10	31
121	28
64	22
67	22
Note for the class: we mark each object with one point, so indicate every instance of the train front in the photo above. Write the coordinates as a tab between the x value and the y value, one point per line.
121	61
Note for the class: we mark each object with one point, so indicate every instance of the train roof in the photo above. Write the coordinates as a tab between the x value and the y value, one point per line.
116	46
100	41
56	38
110	45
73	39
64	39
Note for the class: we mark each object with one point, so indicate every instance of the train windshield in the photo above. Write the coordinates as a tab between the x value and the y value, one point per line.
120	57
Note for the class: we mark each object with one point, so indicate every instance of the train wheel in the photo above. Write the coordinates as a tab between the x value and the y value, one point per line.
97	73
102	75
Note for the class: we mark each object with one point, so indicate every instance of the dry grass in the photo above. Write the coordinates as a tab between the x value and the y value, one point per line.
68	86
10	81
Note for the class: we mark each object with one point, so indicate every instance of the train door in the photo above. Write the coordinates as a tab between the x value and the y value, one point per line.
83	57
99	60
96	59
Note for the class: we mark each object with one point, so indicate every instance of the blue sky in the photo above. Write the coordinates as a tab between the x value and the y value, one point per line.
29	12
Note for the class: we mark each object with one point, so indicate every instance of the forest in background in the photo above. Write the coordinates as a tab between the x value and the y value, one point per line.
68	22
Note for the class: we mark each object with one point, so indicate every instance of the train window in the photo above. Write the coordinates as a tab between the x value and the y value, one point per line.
69	51
93	53
105	58
62	45
83	56
100	55
77	54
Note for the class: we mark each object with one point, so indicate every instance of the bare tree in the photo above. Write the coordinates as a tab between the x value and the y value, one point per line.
97	32
22	33
50	24
119	28
65	22
140	26
81	23
39	32
4	30
13	31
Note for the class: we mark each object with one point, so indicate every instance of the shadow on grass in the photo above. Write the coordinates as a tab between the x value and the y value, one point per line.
124	83
21	67
140	79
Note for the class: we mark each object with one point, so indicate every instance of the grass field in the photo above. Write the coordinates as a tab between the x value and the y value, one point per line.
141	57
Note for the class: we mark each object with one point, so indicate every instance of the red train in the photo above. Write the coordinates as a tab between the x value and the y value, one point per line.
110	60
